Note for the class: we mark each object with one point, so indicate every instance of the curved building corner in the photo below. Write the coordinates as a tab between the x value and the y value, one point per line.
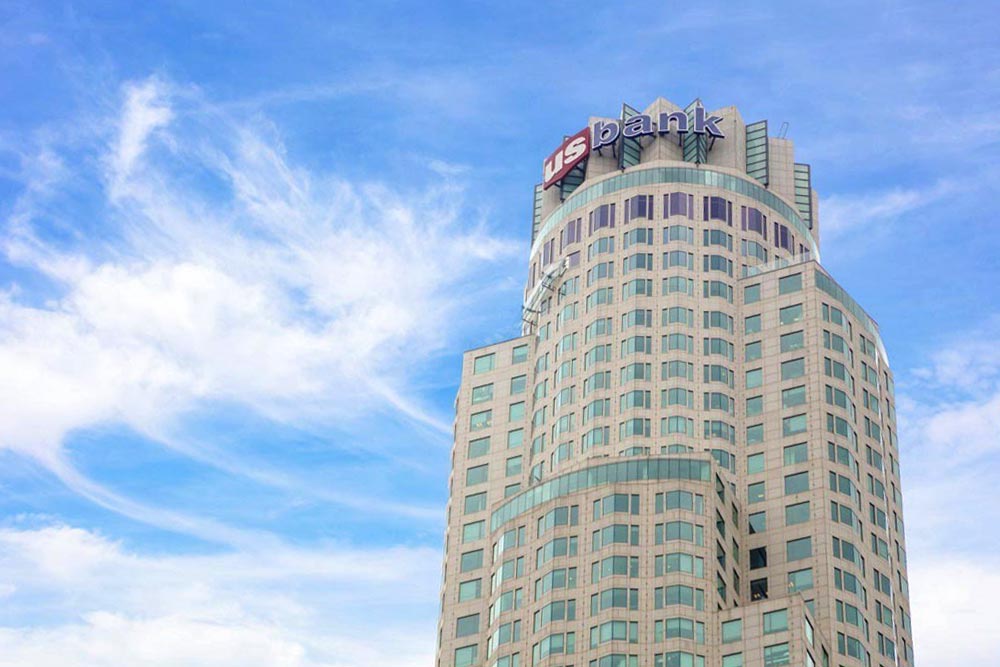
689	457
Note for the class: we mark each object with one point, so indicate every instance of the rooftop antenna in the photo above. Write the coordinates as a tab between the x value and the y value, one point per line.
783	131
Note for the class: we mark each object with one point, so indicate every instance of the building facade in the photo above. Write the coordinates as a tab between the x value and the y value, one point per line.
689	457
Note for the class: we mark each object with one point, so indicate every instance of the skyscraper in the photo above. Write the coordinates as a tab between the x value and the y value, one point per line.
689	458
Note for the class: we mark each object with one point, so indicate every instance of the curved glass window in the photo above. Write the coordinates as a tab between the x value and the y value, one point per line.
656	175
599	475
830	286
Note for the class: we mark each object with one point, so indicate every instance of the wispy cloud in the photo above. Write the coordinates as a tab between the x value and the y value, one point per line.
873	212
145	111
951	624
949	419
109	606
949	416
304	297
970	364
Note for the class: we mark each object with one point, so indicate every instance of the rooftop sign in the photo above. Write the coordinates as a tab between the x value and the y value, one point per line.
569	154
576	148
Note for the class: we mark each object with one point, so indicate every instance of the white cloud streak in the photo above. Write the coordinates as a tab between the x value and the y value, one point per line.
842	215
949	419
109	606
233	276
145	111
953	622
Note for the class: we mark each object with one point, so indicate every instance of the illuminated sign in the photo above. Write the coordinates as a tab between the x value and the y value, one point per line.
607	133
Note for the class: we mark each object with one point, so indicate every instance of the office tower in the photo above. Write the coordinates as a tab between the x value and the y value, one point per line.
689	458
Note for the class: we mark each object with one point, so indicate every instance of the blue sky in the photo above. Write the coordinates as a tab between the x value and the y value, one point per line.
224	424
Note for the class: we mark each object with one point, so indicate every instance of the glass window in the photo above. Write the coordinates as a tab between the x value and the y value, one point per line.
775	621
471	560
475	503
755	434
758	522
473	531
479	447
800	580
753	352
470	590
789	284
751	293
797	513
792	341
793	425
793	396
755	492
796	453
466	656
755	378
793	368
732	660
477	474
751	325
519	354
483	364
719	209
516	412
732	631
480	420
799	549
758	558
482	393
619	470
797	483
790	314
755	463
518	384
755	406
776	656
515	438
513	466
467	625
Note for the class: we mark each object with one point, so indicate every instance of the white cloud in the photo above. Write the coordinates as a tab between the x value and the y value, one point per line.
294	607
957	434
223	273
103	639
952	409
954	621
144	112
949	418
304	297
841	215
971	364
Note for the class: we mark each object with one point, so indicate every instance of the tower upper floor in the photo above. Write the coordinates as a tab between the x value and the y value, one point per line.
703	147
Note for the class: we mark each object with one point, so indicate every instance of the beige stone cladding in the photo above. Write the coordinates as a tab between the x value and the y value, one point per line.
781	161
848	453
607	562
758	634
497	372
697	426
814	199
